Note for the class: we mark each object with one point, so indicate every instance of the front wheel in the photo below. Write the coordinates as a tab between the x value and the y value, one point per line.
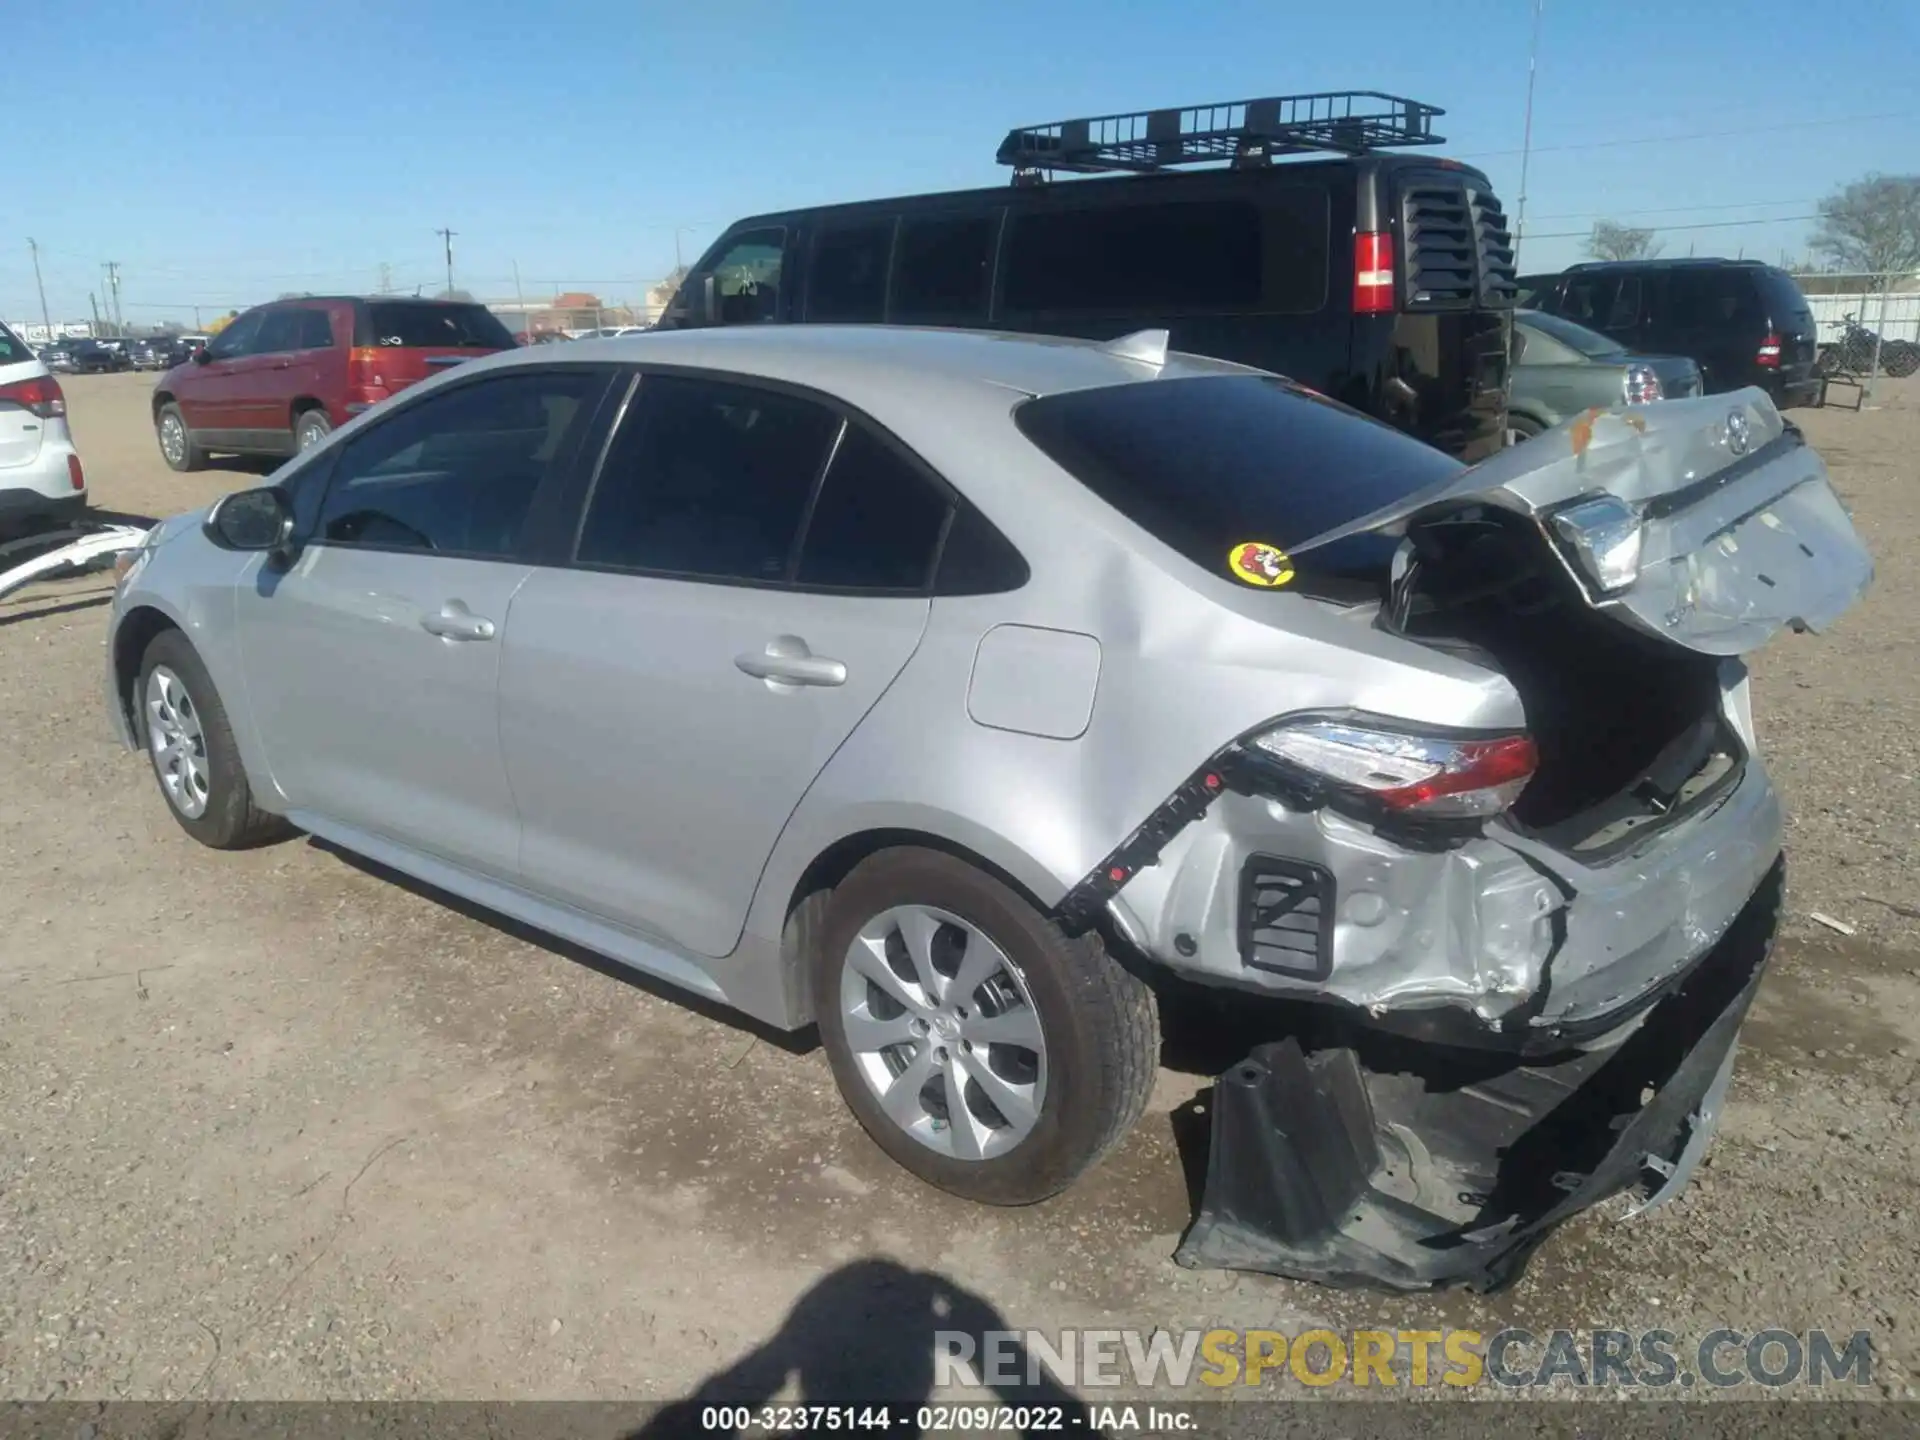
987	1052
176	441
191	746
310	429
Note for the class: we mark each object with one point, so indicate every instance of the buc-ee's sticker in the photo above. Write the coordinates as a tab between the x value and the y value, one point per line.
1258	563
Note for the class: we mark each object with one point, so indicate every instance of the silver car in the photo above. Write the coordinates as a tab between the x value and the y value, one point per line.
962	693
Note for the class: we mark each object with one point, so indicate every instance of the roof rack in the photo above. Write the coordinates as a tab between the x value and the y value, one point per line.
1245	133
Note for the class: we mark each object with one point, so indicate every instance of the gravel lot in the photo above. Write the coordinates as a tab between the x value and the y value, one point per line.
278	1126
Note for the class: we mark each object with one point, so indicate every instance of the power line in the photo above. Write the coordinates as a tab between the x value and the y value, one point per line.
1708	225
1670	210
1696	135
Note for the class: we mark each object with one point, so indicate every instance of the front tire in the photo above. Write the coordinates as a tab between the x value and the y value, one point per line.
191	747
987	1052
310	428
177	447
1523	427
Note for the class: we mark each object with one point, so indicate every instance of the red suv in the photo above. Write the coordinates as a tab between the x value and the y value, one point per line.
282	375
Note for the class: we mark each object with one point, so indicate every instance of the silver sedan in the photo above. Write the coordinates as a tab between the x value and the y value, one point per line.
961	693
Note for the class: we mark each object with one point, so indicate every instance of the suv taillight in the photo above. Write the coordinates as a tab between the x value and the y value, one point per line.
1412	774
366	384
1642	385
1372	272
41	396
1768	355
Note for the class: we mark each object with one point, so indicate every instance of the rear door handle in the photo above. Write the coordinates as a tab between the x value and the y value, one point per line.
456	622
787	661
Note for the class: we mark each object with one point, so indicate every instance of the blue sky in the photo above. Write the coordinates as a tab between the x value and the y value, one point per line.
224	152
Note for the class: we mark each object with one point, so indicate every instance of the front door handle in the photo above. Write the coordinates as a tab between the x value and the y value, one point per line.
787	662
456	622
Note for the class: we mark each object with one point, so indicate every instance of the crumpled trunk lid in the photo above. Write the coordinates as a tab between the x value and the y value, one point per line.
1740	534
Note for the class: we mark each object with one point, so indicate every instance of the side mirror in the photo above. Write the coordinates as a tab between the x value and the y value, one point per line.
201	356
259	519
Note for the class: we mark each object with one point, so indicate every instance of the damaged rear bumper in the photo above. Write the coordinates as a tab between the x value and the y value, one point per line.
1417	1167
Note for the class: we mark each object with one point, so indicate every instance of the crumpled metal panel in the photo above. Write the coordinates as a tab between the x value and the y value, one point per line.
1742	535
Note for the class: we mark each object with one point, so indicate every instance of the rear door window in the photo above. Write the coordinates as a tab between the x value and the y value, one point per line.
876	523
943	269
707	479
847	280
1212	464
1171	256
316	330
435	325
13	349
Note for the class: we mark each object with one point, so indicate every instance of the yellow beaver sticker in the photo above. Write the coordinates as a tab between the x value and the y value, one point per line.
1258	563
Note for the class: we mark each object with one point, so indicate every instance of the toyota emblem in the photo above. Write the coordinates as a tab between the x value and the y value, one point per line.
1738	432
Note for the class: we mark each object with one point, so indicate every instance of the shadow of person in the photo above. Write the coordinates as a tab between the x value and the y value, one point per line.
866	1335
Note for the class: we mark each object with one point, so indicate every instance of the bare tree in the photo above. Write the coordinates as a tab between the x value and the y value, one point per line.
1872	226
1611	240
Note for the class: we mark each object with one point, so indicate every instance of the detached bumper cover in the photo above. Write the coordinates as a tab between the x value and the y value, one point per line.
1405	1167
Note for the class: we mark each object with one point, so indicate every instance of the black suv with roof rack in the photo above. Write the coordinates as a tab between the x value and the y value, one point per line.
1743	322
1384	281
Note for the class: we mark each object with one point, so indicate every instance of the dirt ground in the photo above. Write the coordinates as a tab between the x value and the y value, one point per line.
280	1126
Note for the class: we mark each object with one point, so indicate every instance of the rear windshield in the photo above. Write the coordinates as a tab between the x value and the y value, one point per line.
1212	464
1782	295
12	348
433	324
1575	337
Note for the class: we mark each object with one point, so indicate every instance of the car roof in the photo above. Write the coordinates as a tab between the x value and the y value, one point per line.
880	362
1121	188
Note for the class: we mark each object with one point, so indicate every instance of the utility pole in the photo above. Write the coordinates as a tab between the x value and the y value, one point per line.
1526	134
45	319
112	267
94	305
447	235
196	319
520	298
386	278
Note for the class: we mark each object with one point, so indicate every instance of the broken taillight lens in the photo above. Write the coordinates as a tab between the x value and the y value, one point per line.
1413	774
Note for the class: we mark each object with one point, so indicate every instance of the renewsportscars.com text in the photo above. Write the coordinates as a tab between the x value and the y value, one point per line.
1513	1358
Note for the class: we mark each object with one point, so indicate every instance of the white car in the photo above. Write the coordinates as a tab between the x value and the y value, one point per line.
40	474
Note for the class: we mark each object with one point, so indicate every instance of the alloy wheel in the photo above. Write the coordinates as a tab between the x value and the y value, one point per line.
173	439
944	1032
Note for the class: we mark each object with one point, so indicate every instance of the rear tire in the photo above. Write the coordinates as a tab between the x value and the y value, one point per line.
1048	1044
1901	358
179	717
177	445
310	427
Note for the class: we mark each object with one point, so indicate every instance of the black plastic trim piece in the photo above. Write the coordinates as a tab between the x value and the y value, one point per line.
1316	883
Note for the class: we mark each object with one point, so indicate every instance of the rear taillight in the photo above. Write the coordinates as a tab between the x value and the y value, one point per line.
1642	386
41	396
1372	272
1768	356
1410	774
366	379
